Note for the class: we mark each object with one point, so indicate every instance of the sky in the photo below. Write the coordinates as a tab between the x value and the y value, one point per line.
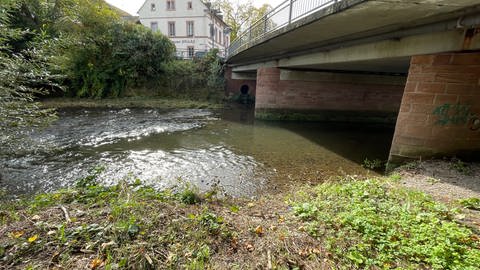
132	6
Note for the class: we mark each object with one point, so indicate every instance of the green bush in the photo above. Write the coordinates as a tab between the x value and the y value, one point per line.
123	56
199	79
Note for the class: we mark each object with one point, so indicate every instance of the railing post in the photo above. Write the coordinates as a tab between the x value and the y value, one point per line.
290	12
265	25
249	36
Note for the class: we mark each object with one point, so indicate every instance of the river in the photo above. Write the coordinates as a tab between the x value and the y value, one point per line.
165	148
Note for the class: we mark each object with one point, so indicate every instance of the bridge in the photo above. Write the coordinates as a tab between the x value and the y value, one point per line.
413	63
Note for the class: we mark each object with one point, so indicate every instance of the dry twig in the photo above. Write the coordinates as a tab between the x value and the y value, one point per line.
65	212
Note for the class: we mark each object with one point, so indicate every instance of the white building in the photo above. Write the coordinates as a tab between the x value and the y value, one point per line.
190	24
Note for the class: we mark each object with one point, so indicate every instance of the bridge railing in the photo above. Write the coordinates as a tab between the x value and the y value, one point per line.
284	14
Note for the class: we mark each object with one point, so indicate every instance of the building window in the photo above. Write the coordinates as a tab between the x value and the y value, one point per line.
170	4
220	36
154	26
212	31
153	7
191	51
189	5
171	29
190	29
216	35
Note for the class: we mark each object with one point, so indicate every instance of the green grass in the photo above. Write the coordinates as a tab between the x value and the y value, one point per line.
373	224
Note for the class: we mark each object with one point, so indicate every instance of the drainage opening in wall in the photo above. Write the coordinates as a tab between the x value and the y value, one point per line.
244	89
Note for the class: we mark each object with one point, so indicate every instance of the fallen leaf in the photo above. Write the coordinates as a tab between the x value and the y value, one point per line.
249	247
17	234
259	230
33	238
51	232
95	263
250	205
303	253
36	218
55	256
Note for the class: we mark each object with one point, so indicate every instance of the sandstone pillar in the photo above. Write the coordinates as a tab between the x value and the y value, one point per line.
440	110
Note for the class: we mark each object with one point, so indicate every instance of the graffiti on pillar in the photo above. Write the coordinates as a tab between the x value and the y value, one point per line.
457	114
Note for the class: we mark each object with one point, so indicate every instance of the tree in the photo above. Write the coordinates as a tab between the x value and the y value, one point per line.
119	56
240	16
100	54
23	76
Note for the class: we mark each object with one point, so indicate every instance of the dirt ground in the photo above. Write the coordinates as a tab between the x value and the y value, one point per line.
446	181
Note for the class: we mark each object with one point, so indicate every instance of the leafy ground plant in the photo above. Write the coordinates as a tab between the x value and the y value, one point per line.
372	225
471	203
373	164
460	166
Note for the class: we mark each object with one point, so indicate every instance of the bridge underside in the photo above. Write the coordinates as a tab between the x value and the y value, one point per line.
415	64
434	105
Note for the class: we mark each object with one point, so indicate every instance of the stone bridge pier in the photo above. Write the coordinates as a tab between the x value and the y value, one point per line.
440	111
325	96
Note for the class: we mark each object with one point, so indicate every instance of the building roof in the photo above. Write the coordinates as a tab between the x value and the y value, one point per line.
207	5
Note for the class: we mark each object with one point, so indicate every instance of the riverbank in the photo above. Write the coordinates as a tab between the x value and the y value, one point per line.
134	102
346	223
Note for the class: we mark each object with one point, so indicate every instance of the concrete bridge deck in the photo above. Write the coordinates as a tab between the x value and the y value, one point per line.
365	35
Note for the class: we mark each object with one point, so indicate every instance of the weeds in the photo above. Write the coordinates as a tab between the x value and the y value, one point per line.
374	164
348	224
369	224
471	203
121	226
460	166
414	165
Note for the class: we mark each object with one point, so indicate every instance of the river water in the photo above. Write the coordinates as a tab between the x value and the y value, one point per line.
230	150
